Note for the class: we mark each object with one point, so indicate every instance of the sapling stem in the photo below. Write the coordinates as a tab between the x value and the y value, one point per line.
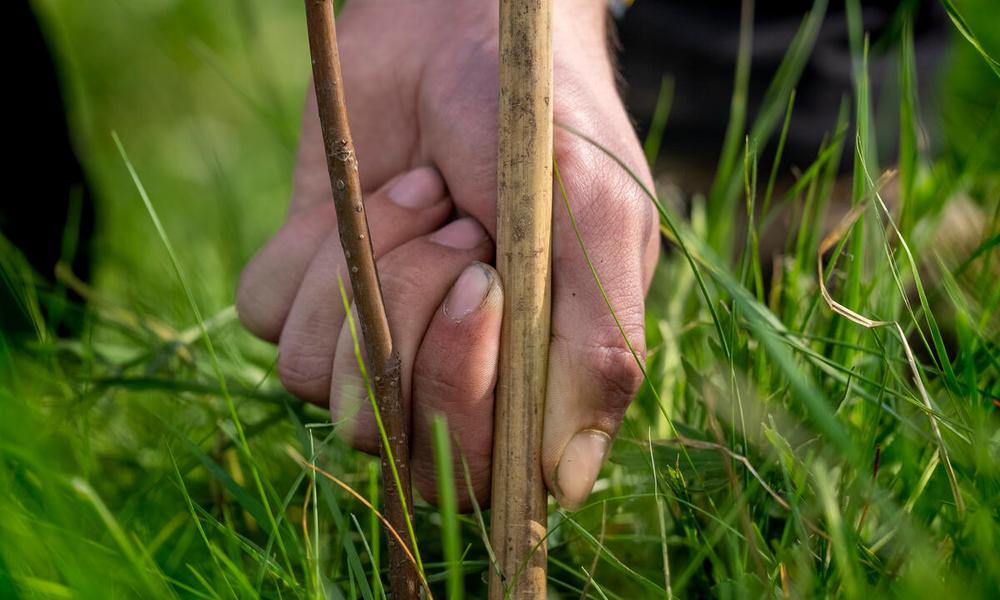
355	239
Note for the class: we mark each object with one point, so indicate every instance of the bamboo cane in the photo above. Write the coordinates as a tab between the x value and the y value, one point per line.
524	224
355	239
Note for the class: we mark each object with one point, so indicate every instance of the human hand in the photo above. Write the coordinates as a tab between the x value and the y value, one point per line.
421	86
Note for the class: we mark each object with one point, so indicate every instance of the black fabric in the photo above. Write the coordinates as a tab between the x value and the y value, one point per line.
43	170
696	44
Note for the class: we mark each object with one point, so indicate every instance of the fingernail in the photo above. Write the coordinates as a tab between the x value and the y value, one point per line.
462	234
579	466
419	188
468	292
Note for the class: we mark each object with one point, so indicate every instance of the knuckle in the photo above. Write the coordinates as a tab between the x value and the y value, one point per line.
432	379
618	374
602	195
397	281
648	218
360	432
252	311
246	307
302	373
425	478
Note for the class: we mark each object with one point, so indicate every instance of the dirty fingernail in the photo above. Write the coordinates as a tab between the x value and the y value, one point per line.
468	292
420	188
579	466
462	234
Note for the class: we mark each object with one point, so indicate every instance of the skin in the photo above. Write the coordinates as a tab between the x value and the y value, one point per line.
421	85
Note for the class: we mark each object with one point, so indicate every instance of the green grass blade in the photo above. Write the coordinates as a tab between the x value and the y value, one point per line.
216	365
403	493
964	29
448	507
658	124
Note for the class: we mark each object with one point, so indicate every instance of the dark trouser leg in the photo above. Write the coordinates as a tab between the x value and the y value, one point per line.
46	186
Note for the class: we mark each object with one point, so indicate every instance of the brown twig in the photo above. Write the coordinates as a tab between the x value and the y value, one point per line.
356	242
524	228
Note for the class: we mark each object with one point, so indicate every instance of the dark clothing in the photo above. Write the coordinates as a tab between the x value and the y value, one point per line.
696	43
47	178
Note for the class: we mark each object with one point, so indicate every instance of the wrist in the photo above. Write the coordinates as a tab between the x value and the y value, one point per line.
579	27
587	18
581	37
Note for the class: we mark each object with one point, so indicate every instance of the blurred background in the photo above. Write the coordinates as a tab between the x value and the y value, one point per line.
207	96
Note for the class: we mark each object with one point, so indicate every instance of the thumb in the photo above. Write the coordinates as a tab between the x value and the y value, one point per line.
596	351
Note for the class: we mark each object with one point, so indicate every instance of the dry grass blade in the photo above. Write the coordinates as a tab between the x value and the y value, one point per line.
828	243
597	554
743	460
357	496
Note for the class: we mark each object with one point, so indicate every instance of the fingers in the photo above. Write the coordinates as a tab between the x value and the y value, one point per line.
407	207
378	84
454	375
311	180
271	278
415	280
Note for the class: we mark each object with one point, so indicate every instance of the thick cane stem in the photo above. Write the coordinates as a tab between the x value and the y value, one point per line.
524	223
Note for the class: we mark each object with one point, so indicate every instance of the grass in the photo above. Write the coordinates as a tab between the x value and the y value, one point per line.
782	446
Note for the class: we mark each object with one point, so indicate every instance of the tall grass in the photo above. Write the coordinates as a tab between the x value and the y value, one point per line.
780	446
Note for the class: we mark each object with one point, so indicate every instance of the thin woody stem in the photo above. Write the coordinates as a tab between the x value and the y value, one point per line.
356	243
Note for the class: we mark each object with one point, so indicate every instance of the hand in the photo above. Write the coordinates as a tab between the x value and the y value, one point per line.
421	85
